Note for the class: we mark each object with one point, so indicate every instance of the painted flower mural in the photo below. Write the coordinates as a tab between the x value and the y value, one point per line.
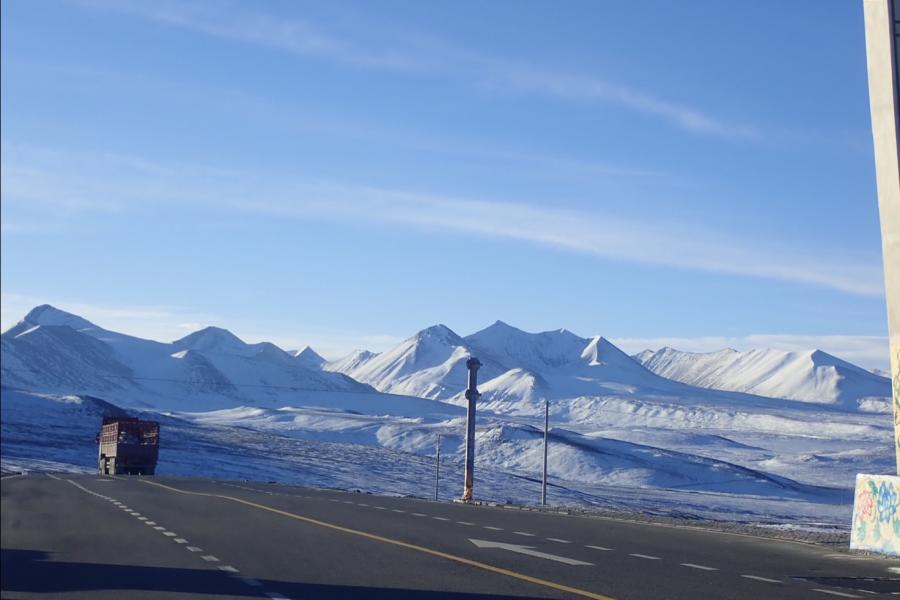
887	501
876	514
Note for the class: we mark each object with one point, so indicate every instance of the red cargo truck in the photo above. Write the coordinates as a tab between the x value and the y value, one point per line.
128	446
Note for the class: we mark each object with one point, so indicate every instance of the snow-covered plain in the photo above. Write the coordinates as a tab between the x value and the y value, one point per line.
622	436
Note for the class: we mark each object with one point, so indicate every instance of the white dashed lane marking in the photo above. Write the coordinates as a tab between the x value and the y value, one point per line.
249	581
758	578
276	595
835	593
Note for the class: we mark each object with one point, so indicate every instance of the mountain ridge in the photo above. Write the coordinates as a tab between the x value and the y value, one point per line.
520	369
804	376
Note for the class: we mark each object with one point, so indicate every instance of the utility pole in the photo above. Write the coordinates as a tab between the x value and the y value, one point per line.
472	397
437	467
546	428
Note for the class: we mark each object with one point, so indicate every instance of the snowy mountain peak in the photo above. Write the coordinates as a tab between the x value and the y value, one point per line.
808	376
533	351
430	364
439	332
602	351
50	315
309	358
211	339
499	325
349	363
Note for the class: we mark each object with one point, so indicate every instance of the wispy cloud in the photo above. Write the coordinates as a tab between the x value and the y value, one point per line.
869	351
423	54
288	35
577	87
85	183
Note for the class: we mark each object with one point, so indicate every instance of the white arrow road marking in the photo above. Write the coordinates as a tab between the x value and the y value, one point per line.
528	550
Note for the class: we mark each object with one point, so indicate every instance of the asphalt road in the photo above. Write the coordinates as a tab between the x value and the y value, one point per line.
81	536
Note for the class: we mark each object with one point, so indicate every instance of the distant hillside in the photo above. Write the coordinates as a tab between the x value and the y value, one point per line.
810	376
54	351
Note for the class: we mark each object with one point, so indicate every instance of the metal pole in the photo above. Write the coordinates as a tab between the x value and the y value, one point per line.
472	396
546	427
437	467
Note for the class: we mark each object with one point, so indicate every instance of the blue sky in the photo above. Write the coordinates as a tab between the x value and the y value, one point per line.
344	174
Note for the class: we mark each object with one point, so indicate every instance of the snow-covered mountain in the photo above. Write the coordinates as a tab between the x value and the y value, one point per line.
309	358
522	369
351	362
54	351
554	365
811	376
517	366
254	411
430	364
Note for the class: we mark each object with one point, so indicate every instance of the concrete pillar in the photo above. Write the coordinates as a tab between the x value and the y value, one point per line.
876	509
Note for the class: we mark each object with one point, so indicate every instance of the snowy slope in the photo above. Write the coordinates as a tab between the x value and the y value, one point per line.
62	358
53	351
558	365
349	363
505	449
530	351
811	376
430	364
309	358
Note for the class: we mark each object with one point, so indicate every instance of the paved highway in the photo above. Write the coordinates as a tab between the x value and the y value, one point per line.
82	536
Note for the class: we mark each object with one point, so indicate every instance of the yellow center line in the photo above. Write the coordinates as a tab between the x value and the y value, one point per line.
459	559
